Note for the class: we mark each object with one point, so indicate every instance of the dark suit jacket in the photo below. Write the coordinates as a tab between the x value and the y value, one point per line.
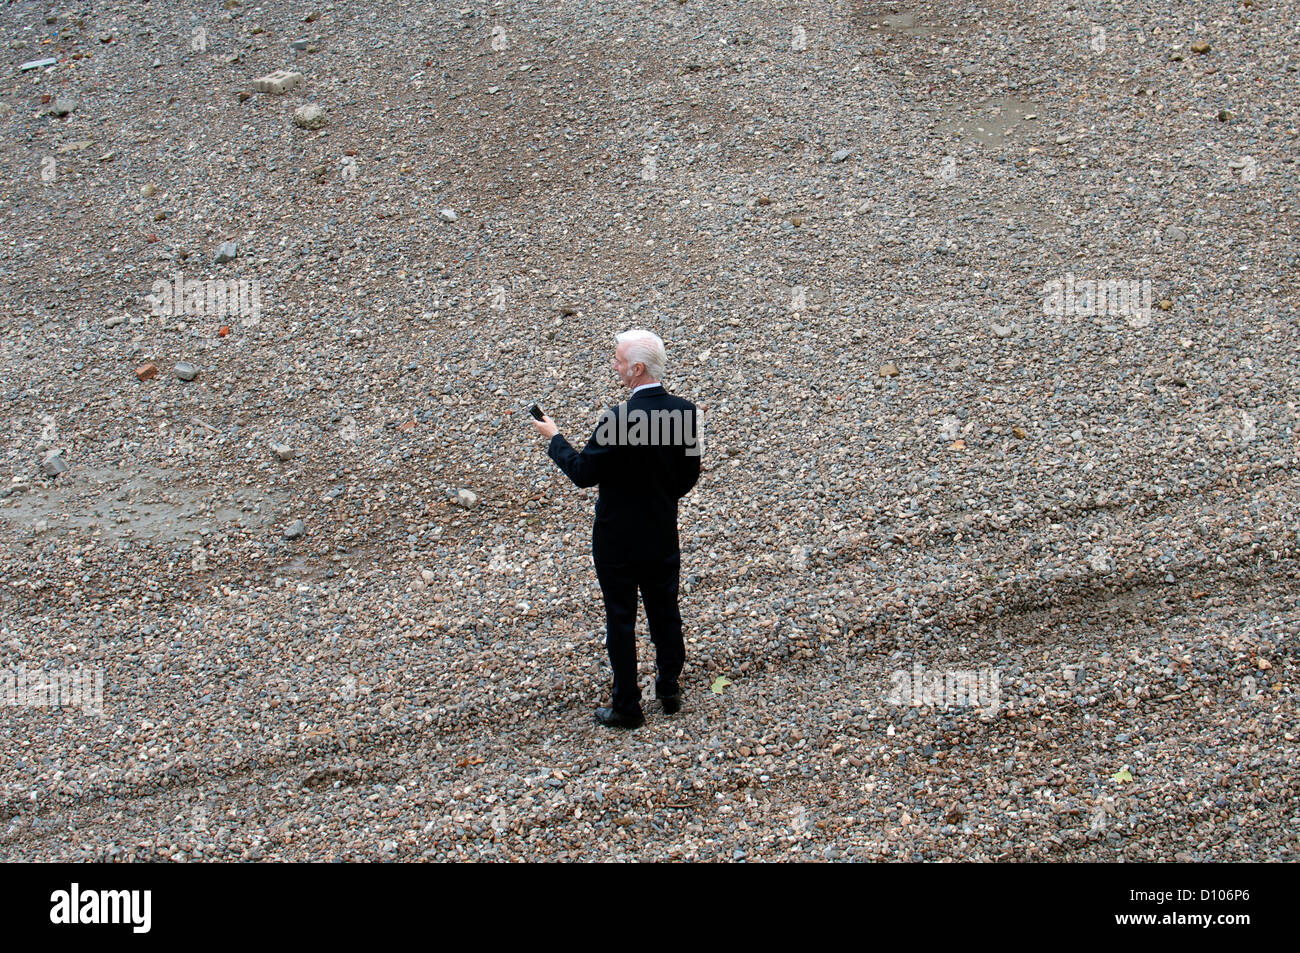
641	474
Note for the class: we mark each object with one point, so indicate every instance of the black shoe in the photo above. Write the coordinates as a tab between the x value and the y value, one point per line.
672	703
612	718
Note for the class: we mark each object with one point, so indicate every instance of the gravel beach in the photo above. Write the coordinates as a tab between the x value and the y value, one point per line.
991	311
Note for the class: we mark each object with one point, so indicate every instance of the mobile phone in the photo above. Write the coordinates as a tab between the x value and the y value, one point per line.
536	412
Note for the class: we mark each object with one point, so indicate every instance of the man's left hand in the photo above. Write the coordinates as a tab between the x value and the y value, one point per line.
546	427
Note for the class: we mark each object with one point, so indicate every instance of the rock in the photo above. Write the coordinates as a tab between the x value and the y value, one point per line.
427	576
1165	304
62	107
949	428
283	451
1174	234
310	116
299	46
186	371
1100	561
447	215
889	370
1003	330
466	498
839	155
38	64
281	81
148	189
226	251
146	371
54	464
115	320
295	529
1201	47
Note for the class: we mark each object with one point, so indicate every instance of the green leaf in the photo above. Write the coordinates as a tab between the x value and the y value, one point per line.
1122	775
719	684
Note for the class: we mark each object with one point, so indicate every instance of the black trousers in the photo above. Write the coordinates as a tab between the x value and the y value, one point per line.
657	581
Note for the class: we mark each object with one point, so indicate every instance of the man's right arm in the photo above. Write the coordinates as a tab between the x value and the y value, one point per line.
587	468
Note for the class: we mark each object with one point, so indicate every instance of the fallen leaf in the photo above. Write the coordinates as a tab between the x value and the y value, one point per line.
1122	775
719	683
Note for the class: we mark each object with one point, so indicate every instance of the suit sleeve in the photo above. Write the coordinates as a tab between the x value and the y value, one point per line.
584	469
689	474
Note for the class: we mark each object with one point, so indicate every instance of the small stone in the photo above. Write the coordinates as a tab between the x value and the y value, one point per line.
295	530
186	371
764	200
466	498
38	64
796	221
281	81
1201	47
427	576
146	371
1019	433
1174	234
839	155
447	215
148	189
62	107
889	370
283	451
1002	330
115	320
299	45
310	116
1165	304
226	251
54	464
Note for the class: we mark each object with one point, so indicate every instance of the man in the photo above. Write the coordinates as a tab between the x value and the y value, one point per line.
645	455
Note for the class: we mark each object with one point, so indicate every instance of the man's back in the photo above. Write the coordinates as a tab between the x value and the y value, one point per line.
645	456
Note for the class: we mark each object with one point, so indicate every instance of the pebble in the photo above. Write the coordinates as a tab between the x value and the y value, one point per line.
186	371
295	529
447	215
226	251
54	464
466	498
282	451
310	116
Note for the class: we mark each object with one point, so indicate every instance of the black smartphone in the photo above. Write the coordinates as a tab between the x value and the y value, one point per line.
536	412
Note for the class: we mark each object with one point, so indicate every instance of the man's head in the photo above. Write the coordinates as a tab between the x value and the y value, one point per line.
639	357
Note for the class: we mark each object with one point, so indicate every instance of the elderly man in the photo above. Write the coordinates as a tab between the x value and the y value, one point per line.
645	456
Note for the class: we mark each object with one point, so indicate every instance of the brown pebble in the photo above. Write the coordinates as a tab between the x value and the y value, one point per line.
146	371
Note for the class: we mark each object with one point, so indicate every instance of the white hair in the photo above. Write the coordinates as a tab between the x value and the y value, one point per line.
644	347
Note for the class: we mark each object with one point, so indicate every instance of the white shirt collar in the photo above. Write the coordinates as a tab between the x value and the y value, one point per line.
644	386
